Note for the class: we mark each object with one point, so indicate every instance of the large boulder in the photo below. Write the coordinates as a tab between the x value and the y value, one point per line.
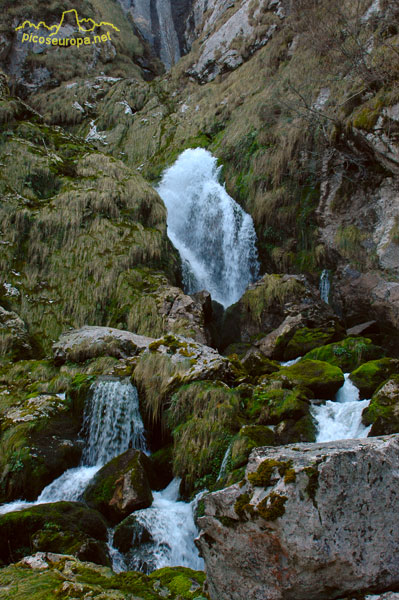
304	524
39	442
383	410
14	336
88	342
283	316
348	354
121	486
65	527
321	378
371	374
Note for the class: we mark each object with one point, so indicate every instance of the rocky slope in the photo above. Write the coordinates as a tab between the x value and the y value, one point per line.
305	127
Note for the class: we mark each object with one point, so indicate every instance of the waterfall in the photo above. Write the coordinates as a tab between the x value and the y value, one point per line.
341	419
324	286
172	530
112	423
222	470
169	42
215	237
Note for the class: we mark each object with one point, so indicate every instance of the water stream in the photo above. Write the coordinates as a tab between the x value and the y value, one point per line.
342	418
324	286
215	237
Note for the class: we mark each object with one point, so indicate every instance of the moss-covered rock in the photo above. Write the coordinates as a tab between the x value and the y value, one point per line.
371	374
249	437
270	406
257	364
292	432
383	410
203	417
44	577
348	354
63	527
304	339
121	486
321	378
129	534
38	443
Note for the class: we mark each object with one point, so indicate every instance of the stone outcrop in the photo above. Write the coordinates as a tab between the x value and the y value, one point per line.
14	337
305	524
121	486
288	310
90	342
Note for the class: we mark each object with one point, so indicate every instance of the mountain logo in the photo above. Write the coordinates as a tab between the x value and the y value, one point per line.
85	26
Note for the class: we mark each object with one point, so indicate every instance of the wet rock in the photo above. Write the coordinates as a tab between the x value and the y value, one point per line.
306	523
288	310
371	374
14	336
61	527
88	342
189	314
121	486
321	378
130	533
383	410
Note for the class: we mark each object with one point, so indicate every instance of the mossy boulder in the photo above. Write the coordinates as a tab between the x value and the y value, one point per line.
15	342
63	527
270	405
44	577
371	374
38	443
383	410
130	533
257	364
249	437
297	341
347	354
292	432
322	379
121	486
203	417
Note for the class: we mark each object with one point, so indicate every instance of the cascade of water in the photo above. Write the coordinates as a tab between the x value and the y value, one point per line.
222	470
341	419
112	422
215	238
172	530
324	286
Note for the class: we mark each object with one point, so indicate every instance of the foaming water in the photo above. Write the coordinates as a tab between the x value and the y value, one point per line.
341	419
112	423
171	526
215	237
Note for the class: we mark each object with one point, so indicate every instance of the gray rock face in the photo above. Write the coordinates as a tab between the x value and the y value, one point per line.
91	341
320	522
14	337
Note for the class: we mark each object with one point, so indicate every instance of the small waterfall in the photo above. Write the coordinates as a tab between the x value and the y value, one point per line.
324	286
171	526
112	423
341	419
215	238
222	470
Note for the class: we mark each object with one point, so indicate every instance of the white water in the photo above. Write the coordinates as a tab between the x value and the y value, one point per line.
112	423
171	525
341	419
215	238
324	286
223	466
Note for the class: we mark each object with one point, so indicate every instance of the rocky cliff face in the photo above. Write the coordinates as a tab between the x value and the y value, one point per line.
304	524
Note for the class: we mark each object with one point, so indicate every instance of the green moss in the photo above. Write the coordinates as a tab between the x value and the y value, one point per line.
242	506
272	507
263	474
271	406
313	482
371	374
304	340
367	116
290	476
323	379
347	354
